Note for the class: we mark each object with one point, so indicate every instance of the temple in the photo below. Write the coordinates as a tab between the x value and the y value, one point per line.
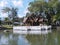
34	20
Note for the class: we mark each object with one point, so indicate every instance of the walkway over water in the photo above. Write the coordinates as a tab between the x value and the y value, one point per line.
32	29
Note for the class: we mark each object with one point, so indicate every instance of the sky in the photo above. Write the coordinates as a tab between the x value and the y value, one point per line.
22	6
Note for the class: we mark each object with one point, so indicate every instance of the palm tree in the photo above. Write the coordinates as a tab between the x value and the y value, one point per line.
6	10
12	12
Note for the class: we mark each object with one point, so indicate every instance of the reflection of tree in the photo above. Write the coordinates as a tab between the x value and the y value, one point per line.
37	39
13	40
9	39
58	38
53	39
22	40
4	39
49	39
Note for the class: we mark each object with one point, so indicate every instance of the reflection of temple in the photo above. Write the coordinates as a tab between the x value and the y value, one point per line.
33	20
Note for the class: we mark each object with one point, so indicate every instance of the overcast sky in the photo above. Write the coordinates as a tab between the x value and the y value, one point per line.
20	4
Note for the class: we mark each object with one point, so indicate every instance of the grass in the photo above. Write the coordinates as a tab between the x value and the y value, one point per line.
8	26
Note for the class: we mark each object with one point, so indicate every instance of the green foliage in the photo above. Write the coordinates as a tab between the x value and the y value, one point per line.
51	6
6	19
12	14
6	9
36	6
0	21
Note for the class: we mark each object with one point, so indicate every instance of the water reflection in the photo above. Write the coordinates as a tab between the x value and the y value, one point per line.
22	41
17	39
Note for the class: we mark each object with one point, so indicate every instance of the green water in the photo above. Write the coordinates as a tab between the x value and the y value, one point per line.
19	39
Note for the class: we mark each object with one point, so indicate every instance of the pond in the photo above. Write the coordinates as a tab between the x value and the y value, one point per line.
30	39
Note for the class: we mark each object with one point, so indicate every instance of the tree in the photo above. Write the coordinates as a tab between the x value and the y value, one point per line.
36	6
50	8
12	13
6	19
0	21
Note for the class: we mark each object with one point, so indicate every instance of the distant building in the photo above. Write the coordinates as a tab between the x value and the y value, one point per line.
33	20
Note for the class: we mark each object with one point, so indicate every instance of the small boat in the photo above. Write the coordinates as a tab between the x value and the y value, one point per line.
32	29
